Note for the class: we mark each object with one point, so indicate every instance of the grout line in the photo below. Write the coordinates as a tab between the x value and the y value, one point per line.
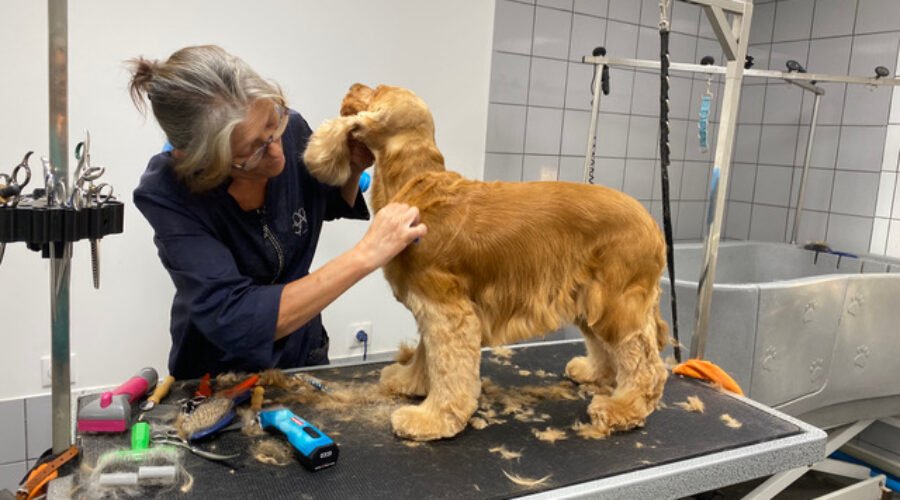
565	92
789	226
837	152
528	94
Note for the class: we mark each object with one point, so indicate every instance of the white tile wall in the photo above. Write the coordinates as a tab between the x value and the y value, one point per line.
10	474
877	15
502	167
551	33
861	148
762	24
592	7
548	82
621	39
773	185
587	32
12	432
540	102
833	18
695	181
509	78
886	184
559	4
625	10
768	223
893	242
879	236
513	25
777	145
608	172
543	131
38	421
540	168
855	193
638	178
819	184
571	169
642	137
849	233
793	20
737	220
578	87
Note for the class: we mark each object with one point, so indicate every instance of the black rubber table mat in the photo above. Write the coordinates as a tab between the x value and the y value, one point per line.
375	464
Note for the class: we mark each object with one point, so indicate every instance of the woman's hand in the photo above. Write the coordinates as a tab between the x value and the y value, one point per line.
361	157
394	227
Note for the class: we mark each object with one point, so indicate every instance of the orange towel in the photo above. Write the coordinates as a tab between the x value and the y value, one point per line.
704	370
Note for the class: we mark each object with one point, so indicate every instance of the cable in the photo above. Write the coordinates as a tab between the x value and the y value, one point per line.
664	163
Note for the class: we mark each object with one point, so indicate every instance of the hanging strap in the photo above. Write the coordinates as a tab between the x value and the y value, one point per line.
664	162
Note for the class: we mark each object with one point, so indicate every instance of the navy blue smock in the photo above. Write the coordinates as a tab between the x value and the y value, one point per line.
229	266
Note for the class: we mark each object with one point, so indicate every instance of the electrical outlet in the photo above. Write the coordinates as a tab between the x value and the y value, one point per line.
355	328
47	371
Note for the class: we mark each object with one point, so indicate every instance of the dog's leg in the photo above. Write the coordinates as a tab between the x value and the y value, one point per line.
451	333
409	376
640	378
598	367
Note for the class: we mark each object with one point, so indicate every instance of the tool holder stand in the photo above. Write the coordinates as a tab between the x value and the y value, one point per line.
39	226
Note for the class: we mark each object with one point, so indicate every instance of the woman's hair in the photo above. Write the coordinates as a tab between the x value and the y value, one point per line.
198	96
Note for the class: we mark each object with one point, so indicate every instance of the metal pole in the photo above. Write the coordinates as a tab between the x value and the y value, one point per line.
60	255
592	130
809	145
719	182
756	73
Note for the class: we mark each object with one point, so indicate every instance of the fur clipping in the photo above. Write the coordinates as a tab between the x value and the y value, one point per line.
730	421
693	404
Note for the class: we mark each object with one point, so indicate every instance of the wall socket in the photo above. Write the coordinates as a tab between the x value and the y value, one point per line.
354	328
46	370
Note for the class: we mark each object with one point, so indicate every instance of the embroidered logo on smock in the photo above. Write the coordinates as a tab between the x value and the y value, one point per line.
300	223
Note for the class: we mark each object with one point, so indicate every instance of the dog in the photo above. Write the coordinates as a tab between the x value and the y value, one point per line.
503	262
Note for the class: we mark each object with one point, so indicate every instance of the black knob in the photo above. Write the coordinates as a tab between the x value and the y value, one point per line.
707	60
748	62
793	65
599	51
881	72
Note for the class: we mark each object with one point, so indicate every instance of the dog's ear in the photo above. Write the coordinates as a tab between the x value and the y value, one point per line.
327	154
357	99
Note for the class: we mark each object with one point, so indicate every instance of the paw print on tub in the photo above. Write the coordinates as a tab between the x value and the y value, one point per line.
816	369
862	356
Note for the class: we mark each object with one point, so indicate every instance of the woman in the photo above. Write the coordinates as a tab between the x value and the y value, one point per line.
237	217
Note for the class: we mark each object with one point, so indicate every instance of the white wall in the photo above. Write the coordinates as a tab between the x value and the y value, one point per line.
315	50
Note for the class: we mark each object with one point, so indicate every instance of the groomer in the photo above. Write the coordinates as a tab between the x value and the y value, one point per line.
237	217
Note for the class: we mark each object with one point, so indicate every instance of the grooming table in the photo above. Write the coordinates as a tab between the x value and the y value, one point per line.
677	453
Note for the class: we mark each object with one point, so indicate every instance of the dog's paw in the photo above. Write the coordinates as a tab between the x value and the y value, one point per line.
613	415
400	379
579	369
416	423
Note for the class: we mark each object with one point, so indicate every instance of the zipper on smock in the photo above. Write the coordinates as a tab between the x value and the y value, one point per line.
269	235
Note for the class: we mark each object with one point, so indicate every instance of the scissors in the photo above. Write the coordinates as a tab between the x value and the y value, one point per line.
12	184
85	193
171	437
55	188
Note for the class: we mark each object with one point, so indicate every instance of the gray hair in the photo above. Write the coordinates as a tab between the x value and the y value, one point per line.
198	96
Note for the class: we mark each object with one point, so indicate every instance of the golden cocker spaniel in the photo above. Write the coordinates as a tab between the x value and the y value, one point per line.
503	262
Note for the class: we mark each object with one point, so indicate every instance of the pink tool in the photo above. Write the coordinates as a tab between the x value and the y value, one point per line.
111	412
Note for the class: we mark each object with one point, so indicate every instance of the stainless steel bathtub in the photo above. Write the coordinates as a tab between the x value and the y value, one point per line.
812	334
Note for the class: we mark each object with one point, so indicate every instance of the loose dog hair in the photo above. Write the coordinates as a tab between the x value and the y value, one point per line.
503	262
